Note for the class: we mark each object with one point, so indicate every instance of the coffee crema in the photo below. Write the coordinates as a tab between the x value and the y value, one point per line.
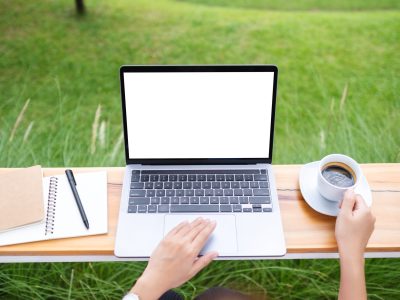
339	174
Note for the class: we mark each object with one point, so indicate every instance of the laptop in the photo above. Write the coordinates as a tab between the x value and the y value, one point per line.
198	142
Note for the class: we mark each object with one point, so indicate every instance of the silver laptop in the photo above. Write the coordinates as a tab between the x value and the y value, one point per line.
198	142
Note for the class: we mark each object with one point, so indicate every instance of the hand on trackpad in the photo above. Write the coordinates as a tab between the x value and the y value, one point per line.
223	239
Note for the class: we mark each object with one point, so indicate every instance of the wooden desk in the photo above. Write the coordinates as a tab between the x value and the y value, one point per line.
308	234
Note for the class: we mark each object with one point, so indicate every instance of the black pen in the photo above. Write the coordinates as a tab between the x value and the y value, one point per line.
72	183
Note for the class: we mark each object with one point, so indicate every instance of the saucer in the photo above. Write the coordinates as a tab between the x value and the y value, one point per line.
308	186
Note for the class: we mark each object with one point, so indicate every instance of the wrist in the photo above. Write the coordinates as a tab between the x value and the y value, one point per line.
146	289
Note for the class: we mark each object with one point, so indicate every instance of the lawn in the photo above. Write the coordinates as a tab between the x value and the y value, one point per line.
338	89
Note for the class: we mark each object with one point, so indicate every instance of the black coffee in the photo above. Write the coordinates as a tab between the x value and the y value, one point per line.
339	174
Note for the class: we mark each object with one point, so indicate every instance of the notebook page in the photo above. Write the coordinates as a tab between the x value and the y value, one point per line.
92	189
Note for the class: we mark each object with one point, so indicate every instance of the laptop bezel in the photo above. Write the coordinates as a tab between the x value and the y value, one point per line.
198	68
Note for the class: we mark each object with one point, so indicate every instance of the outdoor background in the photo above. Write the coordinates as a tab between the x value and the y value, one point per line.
338	91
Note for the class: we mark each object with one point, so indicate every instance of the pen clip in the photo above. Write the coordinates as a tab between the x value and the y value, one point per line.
68	171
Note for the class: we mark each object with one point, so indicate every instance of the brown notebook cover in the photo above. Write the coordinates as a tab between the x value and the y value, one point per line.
21	197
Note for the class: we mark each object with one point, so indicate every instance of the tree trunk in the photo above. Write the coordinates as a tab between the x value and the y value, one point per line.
80	7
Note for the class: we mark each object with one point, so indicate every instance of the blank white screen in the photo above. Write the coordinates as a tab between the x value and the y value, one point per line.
198	114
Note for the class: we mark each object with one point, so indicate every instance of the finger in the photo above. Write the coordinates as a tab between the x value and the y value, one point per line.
178	227
186	229
202	237
348	201
196	229
360	202
202	262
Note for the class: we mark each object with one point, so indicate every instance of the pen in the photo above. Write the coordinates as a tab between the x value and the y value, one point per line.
72	183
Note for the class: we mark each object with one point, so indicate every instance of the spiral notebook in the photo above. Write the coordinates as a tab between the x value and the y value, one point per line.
62	217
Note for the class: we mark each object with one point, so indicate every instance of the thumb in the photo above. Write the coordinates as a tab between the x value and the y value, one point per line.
360	202
348	202
202	262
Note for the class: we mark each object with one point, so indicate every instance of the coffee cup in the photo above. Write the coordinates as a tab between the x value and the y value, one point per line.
337	173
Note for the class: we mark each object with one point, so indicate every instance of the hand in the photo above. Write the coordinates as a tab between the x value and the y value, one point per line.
354	225
175	260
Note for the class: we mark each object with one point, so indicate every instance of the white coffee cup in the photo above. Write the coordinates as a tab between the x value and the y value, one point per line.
334	192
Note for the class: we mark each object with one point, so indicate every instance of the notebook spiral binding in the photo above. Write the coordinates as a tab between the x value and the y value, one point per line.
51	205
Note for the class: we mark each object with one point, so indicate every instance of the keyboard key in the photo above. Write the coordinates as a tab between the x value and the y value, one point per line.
135	178
257	209
152	208
137	185
237	208
214	200
184	200
164	208
142	208
209	192
204	200
244	185
160	193
234	200
248	177
206	185
194	200
155	200
174	200
150	193
132	209
220	177
228	192
167	185
243	200
192	177
238	192
199	192
179	192
225	185
182	177
194	208
247	209
263	171
264	184
158	185
165	200
173	177
197	185
135	172
230	177
261	192
247	192
216	185
154	177
224	200
225	208
261	177
254	185
137	193
163	177
177	185
267	209
170	193
187	185
239	177
144	178
259	200
219	192
210	177
235	185
189	192
149	185
201	177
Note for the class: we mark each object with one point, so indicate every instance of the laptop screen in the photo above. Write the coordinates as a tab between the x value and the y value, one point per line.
198	115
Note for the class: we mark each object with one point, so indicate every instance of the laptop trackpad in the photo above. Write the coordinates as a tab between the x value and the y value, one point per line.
223	239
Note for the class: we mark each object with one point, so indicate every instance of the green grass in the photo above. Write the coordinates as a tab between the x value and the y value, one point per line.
338	92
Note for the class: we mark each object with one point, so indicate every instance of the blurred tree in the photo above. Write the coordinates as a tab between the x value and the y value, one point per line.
80	7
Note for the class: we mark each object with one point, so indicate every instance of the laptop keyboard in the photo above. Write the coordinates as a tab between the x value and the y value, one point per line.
199	191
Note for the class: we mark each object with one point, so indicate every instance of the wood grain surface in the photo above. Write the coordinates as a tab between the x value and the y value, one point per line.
305	230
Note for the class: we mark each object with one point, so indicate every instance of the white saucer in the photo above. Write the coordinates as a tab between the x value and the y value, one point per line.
308	187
